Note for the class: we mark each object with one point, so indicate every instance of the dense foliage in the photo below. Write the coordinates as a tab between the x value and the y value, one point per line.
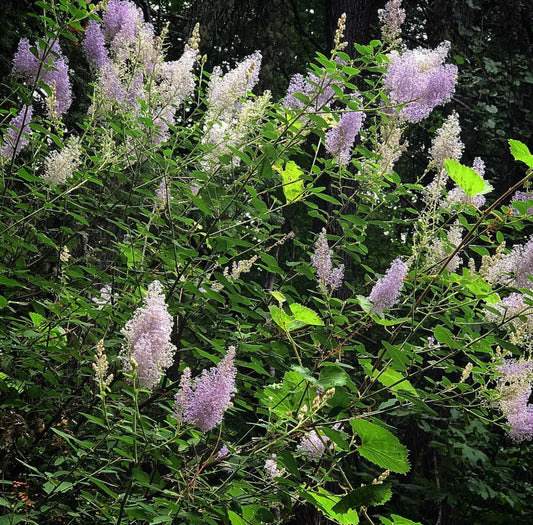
218	307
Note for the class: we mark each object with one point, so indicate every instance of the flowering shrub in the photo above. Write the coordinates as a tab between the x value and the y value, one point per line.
186	227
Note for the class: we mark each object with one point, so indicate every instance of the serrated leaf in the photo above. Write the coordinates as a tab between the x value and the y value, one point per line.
280	317
324	501
332	376
292	179
467	178
367	496
381	446
305	315
521	152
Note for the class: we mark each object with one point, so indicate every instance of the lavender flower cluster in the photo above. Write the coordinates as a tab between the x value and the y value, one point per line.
328	278
229	119
391	17
513	269
148	338
511	309
514	387
313	445
318	90
224	91
204	401
386	291
419	80
522	196
18	135
130	62
340	139
51	67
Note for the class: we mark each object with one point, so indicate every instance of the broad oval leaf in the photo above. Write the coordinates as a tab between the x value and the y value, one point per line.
368	496
521	152
381	446
292	179
467	178
305	315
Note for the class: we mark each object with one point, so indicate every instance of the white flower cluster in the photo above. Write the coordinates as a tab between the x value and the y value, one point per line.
61	165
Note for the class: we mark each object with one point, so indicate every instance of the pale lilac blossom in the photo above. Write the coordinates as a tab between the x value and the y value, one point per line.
18	133
204	401
328	278
341	138
60	165
319	91
148	337
439	251
514	388
510	311
176	79
223	452
111	85
447	142
386	291
94	45
120	24
513	269
54	72
225	91
313	445
106	297
271	467
522	196
419	80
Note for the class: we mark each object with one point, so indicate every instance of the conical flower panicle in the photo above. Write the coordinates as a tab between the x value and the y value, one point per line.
17	135
514	387
513	269
341	138
387	289
56	75
202	402
148	337
313	445
328	278
224	91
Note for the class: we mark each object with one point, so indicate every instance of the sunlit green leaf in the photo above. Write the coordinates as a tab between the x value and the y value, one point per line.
467	178
521	152
292	179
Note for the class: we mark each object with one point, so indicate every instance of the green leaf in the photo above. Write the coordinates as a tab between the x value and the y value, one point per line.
398	520
444	336
280	317
521	152
235	518
380	446
292	178
332	376
305	315
368	496
390	377
467	178
324	501
278	296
